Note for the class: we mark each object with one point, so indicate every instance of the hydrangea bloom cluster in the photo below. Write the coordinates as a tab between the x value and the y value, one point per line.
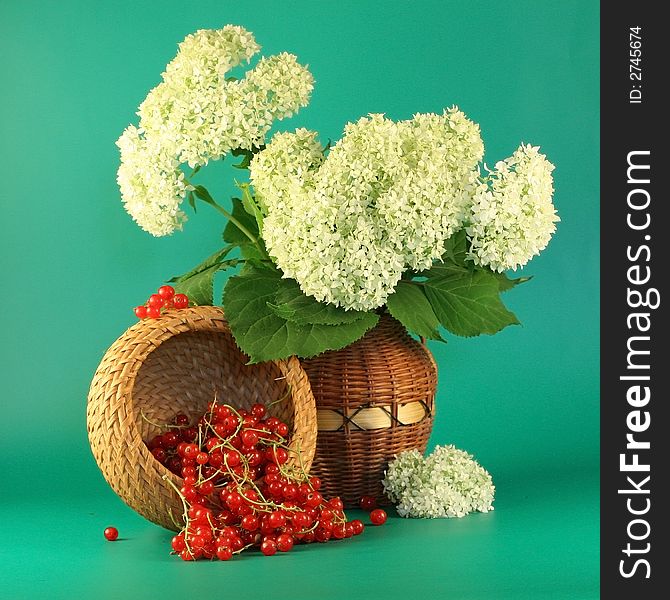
513	217
448	483
385	199
197	114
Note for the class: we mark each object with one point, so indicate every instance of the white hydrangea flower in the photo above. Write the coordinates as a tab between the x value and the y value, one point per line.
152	186
197	114
448	483
385	199
513	217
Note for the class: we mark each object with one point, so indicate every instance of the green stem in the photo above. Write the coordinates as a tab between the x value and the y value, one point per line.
239	225
205	196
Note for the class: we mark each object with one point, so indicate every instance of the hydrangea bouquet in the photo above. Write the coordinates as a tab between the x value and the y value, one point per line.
395	216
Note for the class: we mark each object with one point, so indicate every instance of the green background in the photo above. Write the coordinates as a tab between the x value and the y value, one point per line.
525	402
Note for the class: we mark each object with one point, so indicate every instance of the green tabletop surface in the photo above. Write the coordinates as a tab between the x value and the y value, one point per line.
525	402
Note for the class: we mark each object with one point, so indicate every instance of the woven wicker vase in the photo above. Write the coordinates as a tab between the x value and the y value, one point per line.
374	399
177	363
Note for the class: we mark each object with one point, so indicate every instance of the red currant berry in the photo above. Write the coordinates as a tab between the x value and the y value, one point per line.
191	451
249	522
357	526
282	429
313	499
156	301
367	502
336	504
224	552
322	535
153	312
180	301
111	533
181	419
258	411
166	291
178	542
140	312
276	519
278	456
249	438
315	483
269	547
339	531
284	542
290	491
206	487
159	454
378	516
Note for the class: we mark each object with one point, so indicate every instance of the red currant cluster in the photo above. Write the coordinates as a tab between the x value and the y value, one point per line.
165	298
238	489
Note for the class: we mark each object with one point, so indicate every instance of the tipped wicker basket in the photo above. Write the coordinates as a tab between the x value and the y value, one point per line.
374	399
161	367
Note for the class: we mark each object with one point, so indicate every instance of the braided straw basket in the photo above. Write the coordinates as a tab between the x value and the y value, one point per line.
374	399
161	367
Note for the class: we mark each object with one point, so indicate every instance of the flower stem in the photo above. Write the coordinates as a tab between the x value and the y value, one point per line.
202	193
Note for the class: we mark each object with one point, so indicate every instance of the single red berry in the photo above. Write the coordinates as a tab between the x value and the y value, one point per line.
180	301
156	301
279	456
178	542
166	291
153	312
284	542
111	533
357	526
224	553
140	312
378	516
258	411
159	454
206	487
282	429
249	438
336	504
276	519
249	522
269	547
313	499
367	502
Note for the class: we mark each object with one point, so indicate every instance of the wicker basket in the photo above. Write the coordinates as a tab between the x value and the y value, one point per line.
374	399
161	367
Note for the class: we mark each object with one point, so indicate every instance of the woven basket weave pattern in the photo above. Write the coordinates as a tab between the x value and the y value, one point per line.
385	369
178	363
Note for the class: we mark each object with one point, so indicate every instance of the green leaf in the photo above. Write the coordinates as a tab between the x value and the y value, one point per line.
293	305
199	287
468	303
246	155
232	233
202	193
191	201
215	259
264	335
456	248
445	269
505	283
251	206
198	283
410	306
